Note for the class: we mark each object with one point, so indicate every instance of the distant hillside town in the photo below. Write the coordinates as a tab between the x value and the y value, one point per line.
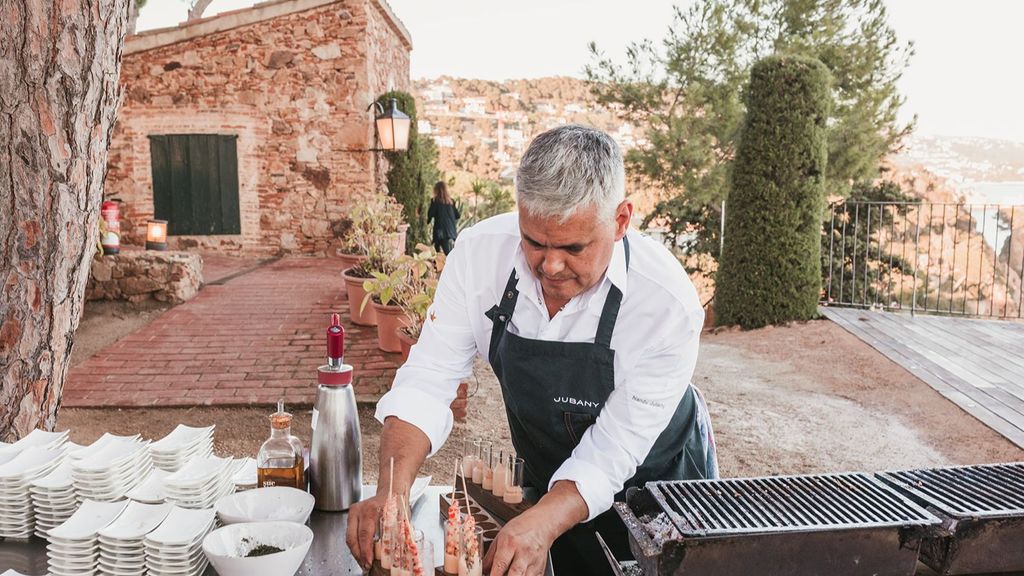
482	127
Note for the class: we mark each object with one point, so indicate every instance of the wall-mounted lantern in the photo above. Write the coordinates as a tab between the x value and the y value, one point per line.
392	127
156	235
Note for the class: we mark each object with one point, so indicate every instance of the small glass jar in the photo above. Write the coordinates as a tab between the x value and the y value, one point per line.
280	461
483	460
499	477
514	489
470	447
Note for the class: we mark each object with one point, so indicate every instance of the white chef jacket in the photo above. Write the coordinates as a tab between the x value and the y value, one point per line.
655	342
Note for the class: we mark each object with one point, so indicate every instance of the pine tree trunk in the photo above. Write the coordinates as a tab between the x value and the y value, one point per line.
59	92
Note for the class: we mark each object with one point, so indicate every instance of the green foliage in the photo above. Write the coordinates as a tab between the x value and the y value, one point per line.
859	264
771	263
370	230
486	198
412	172
686	94
409	283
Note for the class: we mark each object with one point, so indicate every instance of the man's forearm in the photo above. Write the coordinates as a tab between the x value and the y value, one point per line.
562	508
409	446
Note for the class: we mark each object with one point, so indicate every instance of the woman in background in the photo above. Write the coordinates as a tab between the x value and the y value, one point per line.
444	214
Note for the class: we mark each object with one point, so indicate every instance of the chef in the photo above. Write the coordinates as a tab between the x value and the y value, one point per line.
592	330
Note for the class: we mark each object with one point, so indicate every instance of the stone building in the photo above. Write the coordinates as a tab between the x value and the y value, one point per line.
248	130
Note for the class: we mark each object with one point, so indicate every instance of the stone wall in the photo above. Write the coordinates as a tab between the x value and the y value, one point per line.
294	87
137	275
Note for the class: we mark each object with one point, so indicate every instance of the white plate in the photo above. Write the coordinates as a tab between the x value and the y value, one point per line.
136	521
91	517
110	457
181	527
182	437
102	442
30	462
197	472
151	489
38	438
245	475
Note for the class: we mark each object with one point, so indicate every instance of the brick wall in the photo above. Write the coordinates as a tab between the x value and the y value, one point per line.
294	88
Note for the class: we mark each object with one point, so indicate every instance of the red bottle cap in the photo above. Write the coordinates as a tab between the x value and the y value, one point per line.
335	339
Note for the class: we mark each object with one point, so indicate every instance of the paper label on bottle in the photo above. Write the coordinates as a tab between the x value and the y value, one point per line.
315	415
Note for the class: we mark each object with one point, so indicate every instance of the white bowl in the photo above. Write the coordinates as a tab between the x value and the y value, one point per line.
226	548
277	503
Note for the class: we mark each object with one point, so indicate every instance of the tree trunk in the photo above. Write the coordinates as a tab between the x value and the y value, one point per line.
197	9
59	92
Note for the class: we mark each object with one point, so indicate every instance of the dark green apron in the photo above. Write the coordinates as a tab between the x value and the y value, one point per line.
540	378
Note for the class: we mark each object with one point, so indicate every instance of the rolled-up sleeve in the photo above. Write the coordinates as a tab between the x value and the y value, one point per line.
635	414
426	384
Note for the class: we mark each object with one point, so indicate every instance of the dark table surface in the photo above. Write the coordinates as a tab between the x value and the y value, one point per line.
328	554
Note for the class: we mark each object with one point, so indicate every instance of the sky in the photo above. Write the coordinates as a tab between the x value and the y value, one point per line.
963	81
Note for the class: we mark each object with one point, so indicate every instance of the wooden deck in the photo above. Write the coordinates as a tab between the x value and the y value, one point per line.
978	364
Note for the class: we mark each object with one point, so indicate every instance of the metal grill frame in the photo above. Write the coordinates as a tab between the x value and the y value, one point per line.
943	496
816	503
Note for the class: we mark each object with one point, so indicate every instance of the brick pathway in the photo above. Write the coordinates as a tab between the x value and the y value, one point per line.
256	338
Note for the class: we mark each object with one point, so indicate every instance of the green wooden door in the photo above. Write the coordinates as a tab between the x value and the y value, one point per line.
195	183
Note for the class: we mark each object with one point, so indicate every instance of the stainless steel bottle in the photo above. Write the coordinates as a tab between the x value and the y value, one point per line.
335	456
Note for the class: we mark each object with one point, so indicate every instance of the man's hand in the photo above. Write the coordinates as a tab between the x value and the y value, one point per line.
363	518
521	548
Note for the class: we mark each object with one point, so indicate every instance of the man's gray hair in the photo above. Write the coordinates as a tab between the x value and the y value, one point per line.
569	168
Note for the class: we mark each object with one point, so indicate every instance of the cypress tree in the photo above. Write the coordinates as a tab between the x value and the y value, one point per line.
412	173
770	270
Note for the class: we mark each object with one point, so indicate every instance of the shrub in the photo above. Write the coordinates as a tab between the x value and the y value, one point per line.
412	172
771	261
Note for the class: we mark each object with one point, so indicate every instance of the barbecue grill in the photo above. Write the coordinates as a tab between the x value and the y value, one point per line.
835	524
982	512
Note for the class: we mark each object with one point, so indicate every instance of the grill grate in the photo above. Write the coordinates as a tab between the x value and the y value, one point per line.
784	504
966	491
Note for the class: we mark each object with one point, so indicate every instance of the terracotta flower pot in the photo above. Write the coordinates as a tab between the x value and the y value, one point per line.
407	342
354	287
389	320
350	260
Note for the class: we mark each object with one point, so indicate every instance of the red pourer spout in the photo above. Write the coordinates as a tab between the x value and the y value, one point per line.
335	342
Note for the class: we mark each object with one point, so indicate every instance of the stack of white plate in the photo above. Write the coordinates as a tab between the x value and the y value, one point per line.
245	474
53	498
200	483
110	472
183	444
35	438
74	547
176	547
17	519
151	489
122	550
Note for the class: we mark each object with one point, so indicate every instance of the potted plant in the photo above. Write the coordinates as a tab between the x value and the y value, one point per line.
423	284
374	219
399	293
348	250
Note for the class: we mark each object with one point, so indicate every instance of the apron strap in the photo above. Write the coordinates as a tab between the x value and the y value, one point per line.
501	313
610	312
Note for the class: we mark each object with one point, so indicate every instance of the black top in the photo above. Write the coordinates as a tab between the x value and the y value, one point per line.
444	217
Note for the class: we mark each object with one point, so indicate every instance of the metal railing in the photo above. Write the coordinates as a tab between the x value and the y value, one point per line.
939	258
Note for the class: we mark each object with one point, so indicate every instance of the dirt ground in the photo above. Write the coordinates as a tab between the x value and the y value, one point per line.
805	398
